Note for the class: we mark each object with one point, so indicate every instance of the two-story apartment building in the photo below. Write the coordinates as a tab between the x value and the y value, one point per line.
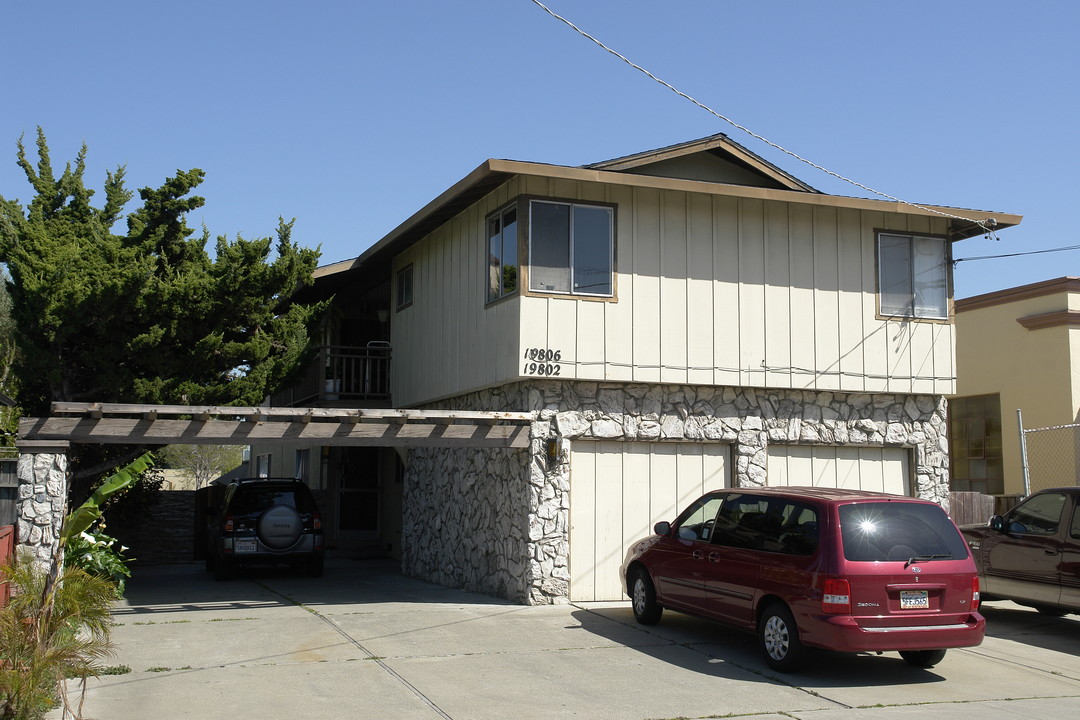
677	320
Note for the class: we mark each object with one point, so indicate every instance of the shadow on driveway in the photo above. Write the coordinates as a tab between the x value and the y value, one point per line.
723	646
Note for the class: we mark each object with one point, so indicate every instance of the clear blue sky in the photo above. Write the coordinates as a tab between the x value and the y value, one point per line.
350	116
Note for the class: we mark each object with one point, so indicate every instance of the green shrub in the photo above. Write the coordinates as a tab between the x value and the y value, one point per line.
50	630
99	555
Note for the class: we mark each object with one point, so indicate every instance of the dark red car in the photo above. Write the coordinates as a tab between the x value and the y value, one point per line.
814	567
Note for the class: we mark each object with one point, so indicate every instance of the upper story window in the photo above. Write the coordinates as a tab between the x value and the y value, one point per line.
913	277
571	248
404	287
502	234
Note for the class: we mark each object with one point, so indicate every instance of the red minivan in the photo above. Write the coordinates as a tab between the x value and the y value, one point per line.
814	567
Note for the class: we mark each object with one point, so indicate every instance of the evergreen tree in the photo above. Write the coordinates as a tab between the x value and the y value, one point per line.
145	315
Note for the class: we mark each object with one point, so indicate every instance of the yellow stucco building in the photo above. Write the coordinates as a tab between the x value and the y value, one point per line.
1016	349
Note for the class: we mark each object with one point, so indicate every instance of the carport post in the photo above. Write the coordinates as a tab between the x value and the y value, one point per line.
42	499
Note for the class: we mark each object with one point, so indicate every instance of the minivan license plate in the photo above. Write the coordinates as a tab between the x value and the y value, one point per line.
914	600
247	546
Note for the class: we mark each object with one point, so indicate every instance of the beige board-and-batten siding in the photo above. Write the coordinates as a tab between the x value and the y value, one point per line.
710	290
878	469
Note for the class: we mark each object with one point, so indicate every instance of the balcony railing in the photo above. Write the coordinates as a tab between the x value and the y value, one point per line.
341	375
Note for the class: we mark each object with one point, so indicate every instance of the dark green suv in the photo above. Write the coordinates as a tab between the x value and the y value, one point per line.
265	521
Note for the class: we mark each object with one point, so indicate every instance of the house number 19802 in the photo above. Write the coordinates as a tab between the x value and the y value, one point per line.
542	361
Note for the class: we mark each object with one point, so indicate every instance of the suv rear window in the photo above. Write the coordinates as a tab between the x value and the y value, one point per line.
255	500
883	531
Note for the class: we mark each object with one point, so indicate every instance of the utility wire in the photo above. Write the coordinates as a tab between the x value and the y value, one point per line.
987	225
1017	254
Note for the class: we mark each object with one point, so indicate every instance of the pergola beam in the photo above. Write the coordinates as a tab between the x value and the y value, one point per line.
118	423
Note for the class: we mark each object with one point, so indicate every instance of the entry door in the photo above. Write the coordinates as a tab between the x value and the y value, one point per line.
358	493
619	490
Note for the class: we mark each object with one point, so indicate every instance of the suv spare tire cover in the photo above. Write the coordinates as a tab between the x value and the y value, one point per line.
280	527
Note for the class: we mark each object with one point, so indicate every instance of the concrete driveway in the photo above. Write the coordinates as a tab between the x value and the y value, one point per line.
364	642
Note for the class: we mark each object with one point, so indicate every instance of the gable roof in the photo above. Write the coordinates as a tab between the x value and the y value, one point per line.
715	165
716	158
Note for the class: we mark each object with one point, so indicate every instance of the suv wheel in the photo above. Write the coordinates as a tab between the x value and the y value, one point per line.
224	569
314	567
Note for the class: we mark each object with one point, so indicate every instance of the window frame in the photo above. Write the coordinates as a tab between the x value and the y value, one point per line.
524	206
529	202
911	312
403	279
501	214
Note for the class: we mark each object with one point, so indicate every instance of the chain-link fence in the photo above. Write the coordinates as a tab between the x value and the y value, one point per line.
1051	456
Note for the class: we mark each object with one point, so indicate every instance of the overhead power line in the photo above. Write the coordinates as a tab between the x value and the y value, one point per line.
1016	254
987	225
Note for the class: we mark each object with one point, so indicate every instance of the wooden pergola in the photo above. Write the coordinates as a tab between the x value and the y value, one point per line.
44	442
131	424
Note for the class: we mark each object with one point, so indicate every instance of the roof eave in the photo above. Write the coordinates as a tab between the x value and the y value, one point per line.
490	174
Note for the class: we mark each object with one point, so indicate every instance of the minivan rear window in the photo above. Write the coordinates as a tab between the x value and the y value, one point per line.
905	531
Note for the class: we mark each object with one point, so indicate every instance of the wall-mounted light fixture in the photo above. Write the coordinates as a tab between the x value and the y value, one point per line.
555	448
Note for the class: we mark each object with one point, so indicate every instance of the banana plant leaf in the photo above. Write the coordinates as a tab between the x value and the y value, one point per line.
88	513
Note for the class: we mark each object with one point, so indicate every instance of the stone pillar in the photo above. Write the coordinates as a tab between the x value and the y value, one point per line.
42	499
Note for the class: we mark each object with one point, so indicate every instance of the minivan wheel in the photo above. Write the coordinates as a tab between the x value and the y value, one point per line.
643	598
779	637
922	658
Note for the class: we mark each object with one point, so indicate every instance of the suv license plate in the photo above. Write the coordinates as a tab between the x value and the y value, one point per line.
914	600
248	546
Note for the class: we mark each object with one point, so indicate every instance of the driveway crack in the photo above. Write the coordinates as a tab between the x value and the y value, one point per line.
367	653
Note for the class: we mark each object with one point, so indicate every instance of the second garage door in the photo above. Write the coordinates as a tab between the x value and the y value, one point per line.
619	490
877	469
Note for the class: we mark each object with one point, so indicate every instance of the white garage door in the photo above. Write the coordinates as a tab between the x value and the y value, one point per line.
876	469
618	491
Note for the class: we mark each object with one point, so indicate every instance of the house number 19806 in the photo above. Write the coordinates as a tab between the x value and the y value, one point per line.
542	361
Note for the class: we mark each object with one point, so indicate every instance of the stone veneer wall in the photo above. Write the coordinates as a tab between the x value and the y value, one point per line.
463	524
42	502
498	521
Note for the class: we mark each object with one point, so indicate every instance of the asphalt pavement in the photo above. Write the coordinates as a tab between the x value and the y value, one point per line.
365	642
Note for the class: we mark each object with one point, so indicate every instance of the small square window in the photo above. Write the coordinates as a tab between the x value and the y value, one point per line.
913	276
404	287
571	248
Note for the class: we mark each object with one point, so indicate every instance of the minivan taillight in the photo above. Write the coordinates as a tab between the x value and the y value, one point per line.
227	523
975	593
837	597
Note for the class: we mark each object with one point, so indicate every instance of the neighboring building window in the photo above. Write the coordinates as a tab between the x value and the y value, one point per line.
303	463
404	287
502	233
571	248
975	445
262	466
913	278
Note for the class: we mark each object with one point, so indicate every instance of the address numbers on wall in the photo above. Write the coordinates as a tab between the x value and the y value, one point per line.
542	361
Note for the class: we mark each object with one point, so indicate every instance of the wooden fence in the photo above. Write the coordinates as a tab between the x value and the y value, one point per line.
7	552
970	508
